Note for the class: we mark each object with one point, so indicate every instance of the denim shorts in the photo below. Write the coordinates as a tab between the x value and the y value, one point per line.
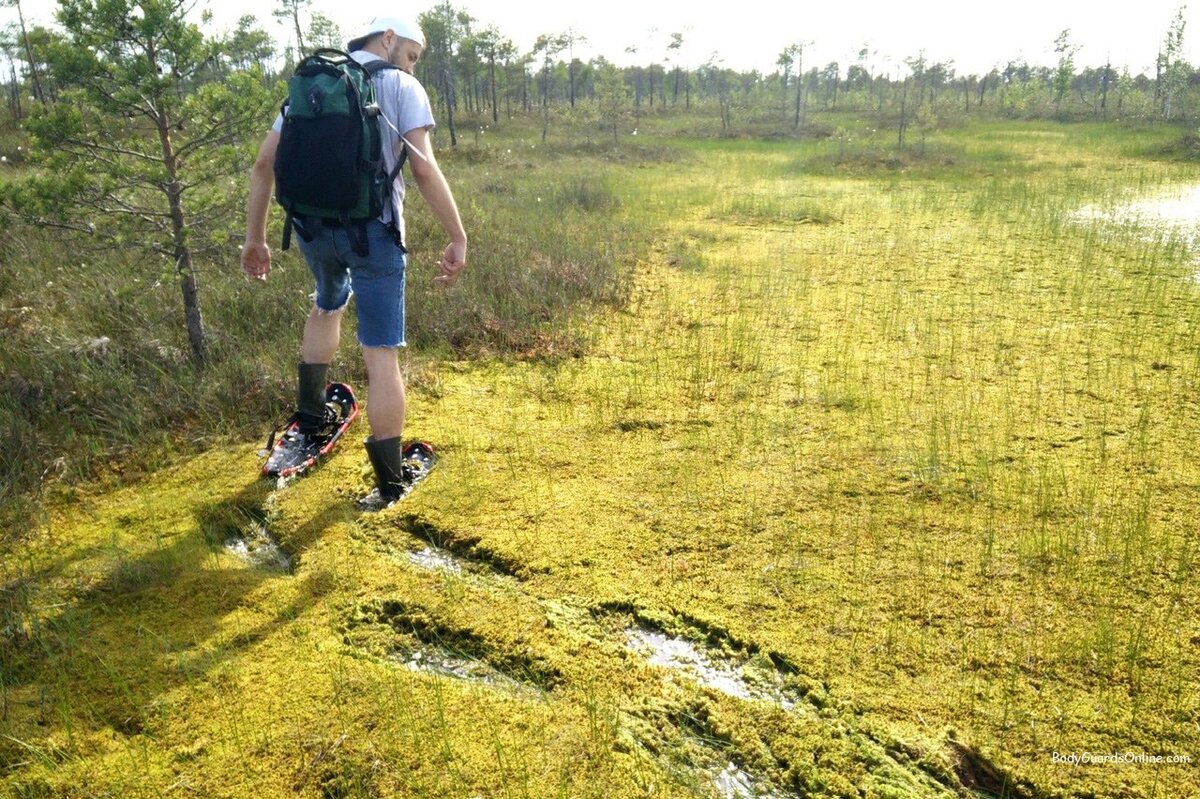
376	280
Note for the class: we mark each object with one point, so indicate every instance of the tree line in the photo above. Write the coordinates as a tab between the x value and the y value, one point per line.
475	70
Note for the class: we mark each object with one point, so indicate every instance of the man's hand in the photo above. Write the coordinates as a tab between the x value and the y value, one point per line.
256	260
453	260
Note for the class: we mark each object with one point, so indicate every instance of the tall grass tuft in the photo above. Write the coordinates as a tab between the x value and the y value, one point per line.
95	376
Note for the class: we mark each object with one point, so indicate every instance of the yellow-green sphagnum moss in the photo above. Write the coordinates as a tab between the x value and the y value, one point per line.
882	485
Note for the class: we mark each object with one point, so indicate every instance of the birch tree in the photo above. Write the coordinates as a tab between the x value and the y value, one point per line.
1173	70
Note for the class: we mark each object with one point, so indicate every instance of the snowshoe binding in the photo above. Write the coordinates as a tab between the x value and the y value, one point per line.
305	440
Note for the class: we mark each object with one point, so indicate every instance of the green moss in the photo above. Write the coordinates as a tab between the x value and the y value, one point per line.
921	471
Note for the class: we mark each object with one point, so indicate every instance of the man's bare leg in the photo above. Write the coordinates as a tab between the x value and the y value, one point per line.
385	414
322	330
385	393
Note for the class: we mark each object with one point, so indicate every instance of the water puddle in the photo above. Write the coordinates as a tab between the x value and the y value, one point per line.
1173	212
734	783
708	668
702	762
256	546
434	559
434	660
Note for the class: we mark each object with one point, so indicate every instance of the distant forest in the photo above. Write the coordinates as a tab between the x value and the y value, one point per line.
475	72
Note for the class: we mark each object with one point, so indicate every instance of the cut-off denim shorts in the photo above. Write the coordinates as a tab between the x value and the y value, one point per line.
376	280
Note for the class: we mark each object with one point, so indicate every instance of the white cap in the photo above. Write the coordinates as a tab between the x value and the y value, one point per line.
401	26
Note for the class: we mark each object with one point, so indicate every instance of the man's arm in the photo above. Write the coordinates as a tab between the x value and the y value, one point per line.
436	192
256	255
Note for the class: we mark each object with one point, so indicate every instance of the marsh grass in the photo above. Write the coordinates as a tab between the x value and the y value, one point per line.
773	209
930	463
1012	372
95	373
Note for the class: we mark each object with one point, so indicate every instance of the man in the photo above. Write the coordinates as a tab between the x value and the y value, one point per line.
376	279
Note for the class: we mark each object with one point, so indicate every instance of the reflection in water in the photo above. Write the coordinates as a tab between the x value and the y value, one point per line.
435	560
707	668
1174	212
258	547
440	662
733	783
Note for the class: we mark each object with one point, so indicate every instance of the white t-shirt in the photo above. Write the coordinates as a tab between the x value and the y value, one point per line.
403	106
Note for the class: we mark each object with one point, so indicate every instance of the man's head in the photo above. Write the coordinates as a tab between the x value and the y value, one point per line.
398	40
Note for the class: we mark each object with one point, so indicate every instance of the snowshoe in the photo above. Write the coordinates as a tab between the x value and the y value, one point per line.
305	441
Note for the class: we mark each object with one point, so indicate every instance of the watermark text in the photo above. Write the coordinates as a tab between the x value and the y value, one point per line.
1117	758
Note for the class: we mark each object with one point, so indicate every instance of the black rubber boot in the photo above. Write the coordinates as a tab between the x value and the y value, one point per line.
392	477
310	395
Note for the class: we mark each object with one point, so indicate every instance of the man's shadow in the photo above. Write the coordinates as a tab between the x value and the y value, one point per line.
148	624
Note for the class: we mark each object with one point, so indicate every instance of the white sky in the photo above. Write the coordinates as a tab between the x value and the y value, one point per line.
749	34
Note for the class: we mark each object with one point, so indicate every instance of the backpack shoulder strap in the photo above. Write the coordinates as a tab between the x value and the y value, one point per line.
399	162
373	68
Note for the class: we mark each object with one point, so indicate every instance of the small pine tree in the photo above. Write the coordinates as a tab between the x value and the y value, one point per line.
133	151
613	98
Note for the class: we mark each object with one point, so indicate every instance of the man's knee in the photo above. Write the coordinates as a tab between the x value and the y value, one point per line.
381	361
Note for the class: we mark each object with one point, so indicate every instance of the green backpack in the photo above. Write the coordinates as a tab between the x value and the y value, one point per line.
329	166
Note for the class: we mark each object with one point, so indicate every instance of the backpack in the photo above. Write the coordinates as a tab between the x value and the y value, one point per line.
329	165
